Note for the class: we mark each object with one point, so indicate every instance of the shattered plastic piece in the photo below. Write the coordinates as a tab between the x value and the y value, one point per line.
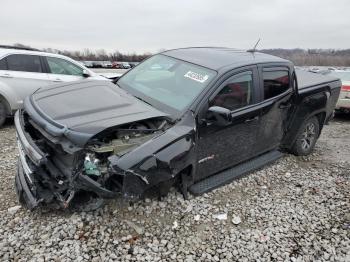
138	229
90	167
222	216
197	217
236	220
13	210
175	225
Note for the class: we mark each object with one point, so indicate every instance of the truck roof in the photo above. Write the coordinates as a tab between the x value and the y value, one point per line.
217	58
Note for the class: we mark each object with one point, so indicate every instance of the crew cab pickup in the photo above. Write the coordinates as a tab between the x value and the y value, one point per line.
195	118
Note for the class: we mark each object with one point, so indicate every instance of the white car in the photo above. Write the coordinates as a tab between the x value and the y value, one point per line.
107	64
126	65
23	71
343	103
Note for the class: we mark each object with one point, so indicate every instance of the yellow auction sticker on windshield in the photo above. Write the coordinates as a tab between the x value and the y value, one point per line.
196	76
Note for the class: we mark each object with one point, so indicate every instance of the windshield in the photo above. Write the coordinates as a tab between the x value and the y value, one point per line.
168	81
344	76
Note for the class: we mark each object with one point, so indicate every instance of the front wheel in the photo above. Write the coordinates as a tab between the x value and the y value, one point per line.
306	137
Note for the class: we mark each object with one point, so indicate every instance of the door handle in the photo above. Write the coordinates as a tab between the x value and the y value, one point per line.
256	118
7	75
57	80
284	106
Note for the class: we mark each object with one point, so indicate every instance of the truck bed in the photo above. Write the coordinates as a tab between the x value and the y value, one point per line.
309	79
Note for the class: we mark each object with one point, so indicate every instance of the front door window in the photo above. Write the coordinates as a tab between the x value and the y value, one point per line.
62	67
236	93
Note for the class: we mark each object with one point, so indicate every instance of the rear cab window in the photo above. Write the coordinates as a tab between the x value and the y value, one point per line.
24	63
276	81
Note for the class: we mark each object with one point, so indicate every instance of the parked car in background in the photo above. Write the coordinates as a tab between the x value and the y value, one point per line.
343	104
88	64
133	64
117	65
126	65
205	117
97	64
122	65
24	71
107	64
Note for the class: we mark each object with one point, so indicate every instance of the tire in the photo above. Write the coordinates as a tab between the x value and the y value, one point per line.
3	113
306	137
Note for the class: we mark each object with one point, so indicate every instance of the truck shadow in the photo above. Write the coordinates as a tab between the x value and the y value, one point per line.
342	117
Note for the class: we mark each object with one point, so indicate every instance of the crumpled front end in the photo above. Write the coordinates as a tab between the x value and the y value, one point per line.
123	161
46	172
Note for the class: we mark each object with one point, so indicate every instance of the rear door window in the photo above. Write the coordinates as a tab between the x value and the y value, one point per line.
24	63
276	82
63	67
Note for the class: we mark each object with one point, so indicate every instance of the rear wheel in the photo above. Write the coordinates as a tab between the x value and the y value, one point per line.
307	137
3	113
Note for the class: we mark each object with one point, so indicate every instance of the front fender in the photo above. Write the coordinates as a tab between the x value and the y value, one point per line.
10	96
158	160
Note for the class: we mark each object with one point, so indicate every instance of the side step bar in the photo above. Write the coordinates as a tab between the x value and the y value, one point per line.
228	175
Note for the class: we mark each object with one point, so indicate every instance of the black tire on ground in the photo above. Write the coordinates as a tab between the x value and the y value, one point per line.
306	137
3	113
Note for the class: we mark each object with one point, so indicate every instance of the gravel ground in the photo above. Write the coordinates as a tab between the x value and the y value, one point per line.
294	210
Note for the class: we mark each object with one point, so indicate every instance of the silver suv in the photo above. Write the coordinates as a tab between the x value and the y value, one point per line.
23	71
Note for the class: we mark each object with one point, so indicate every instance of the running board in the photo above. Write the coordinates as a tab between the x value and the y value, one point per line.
228	175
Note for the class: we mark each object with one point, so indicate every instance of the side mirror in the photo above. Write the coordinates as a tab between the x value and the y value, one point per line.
219	116
86	73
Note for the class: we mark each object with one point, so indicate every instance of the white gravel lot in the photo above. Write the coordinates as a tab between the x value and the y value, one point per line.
297	209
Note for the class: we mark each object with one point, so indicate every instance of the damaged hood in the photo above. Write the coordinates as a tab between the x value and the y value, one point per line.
80	110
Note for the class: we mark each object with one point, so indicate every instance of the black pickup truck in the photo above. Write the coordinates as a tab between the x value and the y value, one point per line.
195	118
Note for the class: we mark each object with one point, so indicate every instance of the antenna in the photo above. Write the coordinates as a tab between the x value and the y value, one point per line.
254	48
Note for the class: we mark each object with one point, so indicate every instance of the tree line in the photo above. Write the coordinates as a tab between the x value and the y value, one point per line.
100	55
93	55
300	57
313	57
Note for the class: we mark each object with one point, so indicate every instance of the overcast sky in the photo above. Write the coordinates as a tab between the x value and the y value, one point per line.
151	25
